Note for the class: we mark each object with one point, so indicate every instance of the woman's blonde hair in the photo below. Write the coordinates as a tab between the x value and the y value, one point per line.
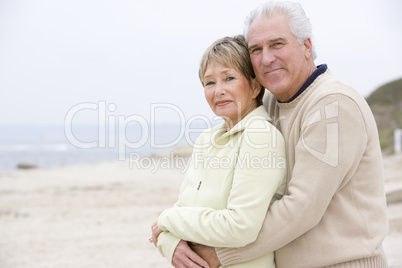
230	52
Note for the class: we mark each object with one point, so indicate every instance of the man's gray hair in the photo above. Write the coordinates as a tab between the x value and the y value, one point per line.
299	23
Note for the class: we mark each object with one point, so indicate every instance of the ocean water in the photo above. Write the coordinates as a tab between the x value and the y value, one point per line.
53	146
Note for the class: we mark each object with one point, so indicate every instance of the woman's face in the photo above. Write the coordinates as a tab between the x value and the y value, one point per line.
229	93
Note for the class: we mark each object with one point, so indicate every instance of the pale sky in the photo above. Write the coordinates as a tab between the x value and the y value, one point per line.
57	54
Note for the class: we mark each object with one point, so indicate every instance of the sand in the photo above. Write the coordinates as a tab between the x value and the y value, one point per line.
99	215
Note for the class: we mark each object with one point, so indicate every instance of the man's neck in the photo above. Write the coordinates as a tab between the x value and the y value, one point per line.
310	79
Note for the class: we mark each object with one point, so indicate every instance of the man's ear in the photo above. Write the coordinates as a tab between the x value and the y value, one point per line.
256	86
308	48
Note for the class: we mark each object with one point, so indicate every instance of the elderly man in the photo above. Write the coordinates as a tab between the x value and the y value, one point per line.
334	210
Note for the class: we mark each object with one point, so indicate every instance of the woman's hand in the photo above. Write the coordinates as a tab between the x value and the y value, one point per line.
155	233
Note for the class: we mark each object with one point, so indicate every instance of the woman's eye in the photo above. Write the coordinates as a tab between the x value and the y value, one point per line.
229	78
208	83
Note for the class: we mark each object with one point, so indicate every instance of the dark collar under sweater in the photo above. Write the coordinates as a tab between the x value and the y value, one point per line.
320	70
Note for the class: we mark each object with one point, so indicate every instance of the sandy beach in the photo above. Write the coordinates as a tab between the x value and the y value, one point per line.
99	215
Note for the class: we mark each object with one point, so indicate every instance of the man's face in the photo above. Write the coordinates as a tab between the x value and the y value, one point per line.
280	63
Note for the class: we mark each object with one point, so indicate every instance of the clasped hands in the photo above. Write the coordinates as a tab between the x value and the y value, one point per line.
189	254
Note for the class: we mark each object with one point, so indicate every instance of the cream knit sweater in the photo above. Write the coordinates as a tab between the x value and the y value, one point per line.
334	211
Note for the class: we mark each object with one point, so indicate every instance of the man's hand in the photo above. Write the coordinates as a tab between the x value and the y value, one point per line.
207	253
184	257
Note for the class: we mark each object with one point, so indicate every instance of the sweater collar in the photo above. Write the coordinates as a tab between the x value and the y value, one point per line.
320	70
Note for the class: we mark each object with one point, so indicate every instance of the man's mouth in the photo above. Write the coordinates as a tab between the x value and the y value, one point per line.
272	71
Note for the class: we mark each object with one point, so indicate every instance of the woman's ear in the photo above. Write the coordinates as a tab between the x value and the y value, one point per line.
256	86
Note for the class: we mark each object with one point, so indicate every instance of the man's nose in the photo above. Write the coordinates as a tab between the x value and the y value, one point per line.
267	56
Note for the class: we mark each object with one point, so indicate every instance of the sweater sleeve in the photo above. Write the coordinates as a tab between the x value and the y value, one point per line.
331	143
254	185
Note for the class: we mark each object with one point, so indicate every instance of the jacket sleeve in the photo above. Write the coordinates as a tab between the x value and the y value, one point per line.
167	244
326	155
254	186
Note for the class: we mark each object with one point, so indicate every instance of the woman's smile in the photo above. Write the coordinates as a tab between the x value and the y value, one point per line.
229	93
223	103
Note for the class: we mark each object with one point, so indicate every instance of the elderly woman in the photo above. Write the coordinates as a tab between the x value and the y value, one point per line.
237	169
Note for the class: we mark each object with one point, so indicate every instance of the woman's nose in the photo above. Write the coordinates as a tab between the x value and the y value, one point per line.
220	89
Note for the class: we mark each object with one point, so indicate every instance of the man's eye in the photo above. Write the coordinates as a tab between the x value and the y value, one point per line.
255	50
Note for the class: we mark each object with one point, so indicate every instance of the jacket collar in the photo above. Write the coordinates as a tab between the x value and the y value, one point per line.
258	113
